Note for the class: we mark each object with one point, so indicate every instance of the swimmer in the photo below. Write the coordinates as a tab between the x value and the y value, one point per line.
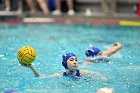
70	64
96	55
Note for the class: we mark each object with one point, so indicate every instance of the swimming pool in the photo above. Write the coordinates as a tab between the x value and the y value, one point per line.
52	40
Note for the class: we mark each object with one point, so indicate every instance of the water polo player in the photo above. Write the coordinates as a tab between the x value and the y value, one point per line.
94	54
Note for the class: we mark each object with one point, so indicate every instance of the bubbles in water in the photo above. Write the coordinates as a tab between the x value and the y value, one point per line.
1	55
4	58
90	45
130	63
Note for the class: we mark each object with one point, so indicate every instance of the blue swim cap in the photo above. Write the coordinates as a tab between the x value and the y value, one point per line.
93	51
65	58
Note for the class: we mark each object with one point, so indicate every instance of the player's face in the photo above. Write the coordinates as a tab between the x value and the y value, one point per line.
72	63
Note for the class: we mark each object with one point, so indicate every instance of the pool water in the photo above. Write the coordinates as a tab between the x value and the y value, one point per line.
51	41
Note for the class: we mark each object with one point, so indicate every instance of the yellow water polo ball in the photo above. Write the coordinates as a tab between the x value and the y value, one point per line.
26	55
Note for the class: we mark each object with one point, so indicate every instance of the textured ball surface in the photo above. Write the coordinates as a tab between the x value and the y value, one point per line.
26	55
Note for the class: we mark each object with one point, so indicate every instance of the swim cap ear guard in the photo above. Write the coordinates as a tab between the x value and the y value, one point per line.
65	58
93	51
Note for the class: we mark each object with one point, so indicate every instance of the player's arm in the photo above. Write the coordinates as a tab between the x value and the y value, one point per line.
36	73
116	46
55	75
93	74
41	75
86	72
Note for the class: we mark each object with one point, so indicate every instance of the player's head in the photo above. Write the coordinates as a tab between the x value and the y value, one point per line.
93	51
69	61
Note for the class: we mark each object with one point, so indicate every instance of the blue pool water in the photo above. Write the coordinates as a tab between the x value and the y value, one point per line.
50	41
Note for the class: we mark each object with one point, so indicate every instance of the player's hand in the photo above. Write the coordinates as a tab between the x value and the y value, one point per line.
26	65
116	44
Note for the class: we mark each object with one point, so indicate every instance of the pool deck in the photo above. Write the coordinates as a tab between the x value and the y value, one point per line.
124	19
